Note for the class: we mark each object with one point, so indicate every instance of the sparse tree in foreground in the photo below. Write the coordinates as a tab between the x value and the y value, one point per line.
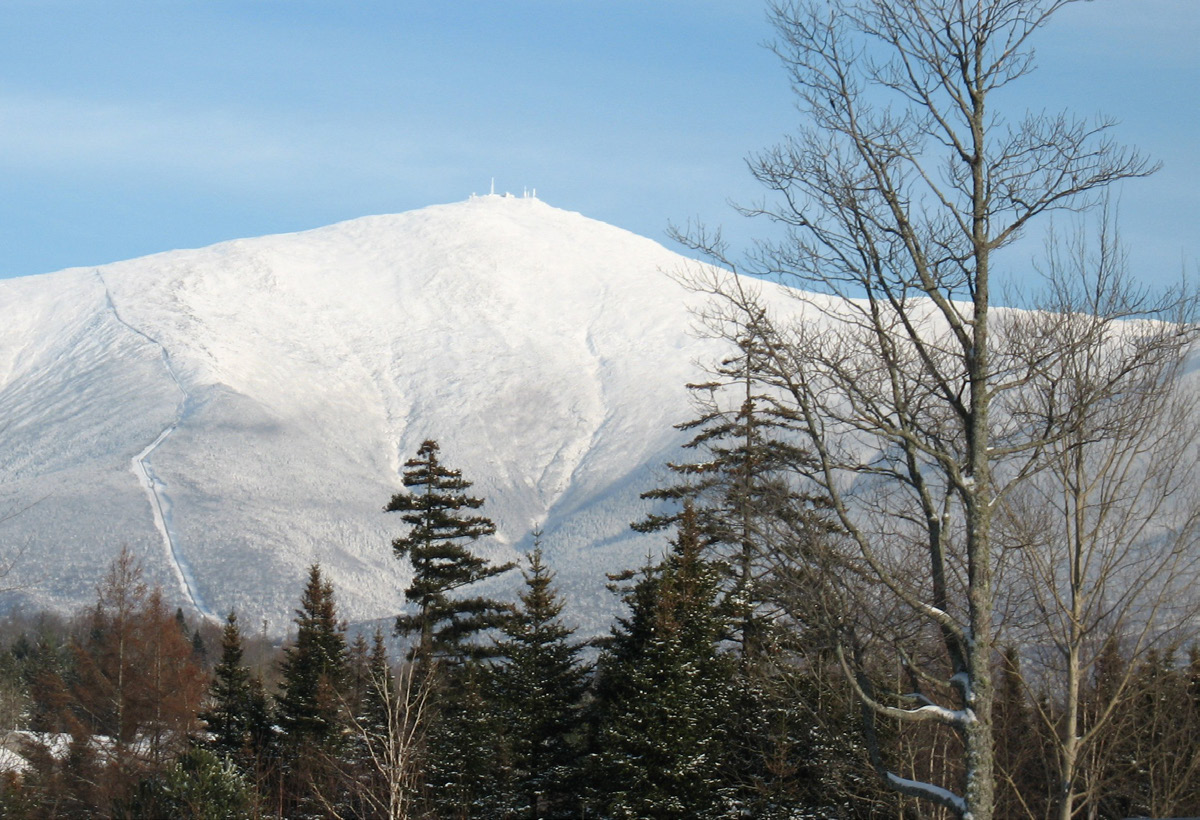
1099	547
903	183
381	771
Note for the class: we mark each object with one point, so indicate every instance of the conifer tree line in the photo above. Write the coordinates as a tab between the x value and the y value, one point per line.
715	693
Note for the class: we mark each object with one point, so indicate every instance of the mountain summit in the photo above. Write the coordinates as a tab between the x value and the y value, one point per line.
236	413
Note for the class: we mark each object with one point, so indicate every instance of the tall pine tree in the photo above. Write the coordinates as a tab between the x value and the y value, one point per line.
314	666
745	487
437	509
311	703
761	528
237	716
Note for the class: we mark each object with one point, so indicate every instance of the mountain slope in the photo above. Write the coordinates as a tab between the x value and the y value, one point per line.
235	413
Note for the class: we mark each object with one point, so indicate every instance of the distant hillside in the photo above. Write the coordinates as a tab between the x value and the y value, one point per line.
236	413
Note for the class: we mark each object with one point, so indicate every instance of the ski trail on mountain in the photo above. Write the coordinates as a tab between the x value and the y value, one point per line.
160	502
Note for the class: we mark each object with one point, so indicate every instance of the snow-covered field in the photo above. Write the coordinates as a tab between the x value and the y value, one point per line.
236	413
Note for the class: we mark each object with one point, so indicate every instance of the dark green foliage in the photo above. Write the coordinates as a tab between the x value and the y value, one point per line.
365	758
1024	763
199	786
1156	770
744	487
237	717
538	686
437	547
663	694
467	767
45	663
313	668
376	710
310	706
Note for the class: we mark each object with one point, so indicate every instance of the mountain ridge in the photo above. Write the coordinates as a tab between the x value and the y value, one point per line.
270	389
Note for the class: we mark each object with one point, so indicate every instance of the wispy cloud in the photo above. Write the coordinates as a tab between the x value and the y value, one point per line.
214	146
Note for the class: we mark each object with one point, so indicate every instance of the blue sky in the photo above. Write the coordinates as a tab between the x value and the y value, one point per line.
134	126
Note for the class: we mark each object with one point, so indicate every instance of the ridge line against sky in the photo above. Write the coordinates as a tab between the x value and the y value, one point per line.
129	127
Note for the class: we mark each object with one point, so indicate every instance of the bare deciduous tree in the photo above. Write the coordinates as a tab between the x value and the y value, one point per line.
1101	540
383	778
901	186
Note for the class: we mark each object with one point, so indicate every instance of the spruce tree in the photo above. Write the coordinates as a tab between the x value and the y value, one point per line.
377	712
437	545
743	487
314	667
466	763
237	716
226	716
1023	783
371	763
762	530
663	693
309	707
539	684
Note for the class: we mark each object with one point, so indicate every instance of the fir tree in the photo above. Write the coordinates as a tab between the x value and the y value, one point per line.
309	708
742	487
199	786
466	764
437	546
1023	784
663	693
763	532
314	667
376	706
538	685
383	761
237	717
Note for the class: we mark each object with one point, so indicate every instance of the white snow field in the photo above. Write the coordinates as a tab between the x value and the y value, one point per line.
234	414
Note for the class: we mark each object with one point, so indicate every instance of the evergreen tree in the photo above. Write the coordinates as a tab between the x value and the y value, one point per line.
376	712
663	693
762	531
309	707
237	716
1023	784
314	667
538	686
437	545
466	761
743	487
199	786
383	762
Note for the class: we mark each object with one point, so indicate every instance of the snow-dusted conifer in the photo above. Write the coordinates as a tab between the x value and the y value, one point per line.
663	693
314	666
237	715
309	707
745	486
538	686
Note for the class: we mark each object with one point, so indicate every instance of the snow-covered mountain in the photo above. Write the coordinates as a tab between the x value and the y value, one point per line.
236	413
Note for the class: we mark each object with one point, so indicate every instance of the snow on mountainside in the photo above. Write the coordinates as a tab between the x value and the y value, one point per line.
236	413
